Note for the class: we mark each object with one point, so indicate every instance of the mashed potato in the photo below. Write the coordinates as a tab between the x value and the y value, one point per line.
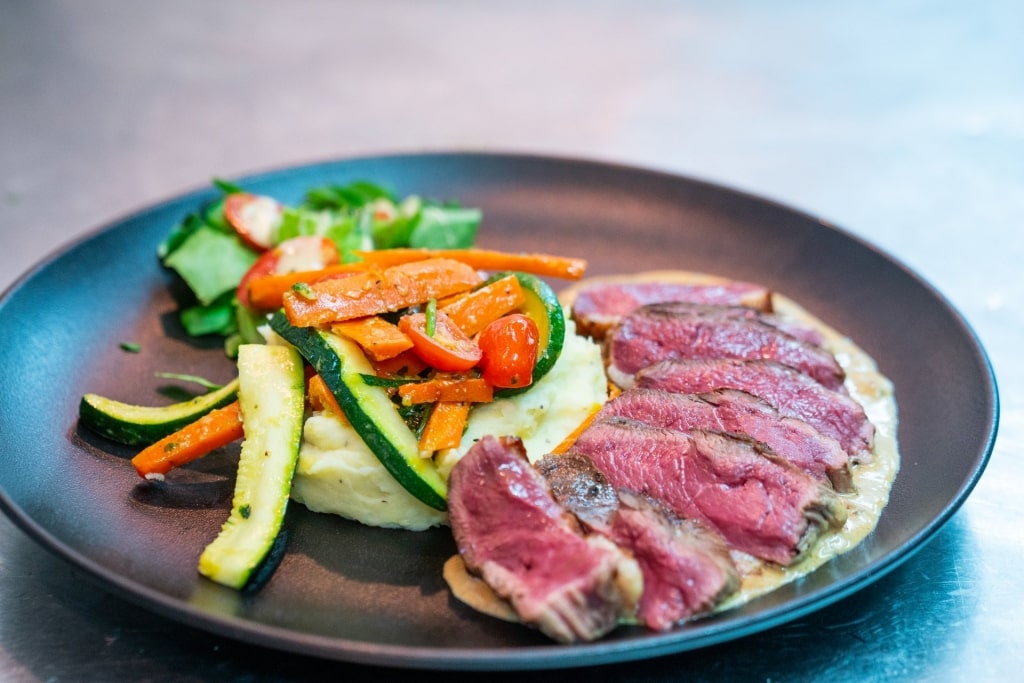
338	474
543	416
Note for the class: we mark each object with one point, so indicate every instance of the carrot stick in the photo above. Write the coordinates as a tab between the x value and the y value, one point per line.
474	311
444	427
267	292
377	337
405	364
320	397
485	259
569	440
445	389
449	300
377	291
213	430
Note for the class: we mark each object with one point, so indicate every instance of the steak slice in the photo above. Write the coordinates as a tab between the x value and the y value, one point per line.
530	551
600	305
740	313
730	410
687	568
760	503
792	393
580	488
677	331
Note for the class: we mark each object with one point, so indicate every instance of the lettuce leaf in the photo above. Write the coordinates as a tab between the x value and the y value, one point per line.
211	262
211	258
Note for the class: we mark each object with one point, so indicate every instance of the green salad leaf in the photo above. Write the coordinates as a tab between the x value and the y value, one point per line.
347	197
445	228
226	186
211	258
217	317
211	262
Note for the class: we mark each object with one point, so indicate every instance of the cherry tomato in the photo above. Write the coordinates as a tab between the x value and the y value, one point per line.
307	252
509	346
448	349
254	217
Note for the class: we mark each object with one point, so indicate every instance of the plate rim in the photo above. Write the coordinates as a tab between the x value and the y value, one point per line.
518	657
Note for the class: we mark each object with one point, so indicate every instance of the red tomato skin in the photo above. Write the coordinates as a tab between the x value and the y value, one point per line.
264	265
268	261
235	206
509	346
448	350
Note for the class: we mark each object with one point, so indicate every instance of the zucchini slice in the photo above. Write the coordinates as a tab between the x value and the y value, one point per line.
543	307
142	425
272	399
341	364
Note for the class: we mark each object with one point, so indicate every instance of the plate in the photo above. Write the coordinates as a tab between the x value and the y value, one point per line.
347	592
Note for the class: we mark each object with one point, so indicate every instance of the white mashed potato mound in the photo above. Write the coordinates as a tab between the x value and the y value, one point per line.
338	474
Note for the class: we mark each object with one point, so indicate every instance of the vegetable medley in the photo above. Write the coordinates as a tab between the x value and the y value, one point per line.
398	325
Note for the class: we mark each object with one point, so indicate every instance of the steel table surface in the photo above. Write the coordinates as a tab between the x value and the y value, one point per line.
901	121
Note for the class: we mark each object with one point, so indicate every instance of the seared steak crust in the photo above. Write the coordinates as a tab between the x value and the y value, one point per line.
676	331
529	550
790	392
760	503
580	488
730	410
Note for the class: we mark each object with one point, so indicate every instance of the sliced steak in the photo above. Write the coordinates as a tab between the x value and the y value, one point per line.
581	488
792	393
739	313
686	567
676	331
760	503
730	410
602	304
530	551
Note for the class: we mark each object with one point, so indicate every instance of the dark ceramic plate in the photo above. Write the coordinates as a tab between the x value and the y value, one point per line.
348	592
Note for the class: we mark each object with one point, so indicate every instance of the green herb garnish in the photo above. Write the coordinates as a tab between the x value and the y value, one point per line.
195	379
431	318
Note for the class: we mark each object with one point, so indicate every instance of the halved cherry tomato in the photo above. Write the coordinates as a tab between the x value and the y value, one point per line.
307	252
509	346
254	217
448	349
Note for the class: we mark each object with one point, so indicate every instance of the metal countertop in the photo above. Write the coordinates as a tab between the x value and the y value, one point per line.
902	122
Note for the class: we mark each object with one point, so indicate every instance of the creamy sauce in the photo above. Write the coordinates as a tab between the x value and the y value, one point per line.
872	479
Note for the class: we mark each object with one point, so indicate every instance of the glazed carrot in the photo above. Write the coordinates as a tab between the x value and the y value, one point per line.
321	398
485	259
568	441
444	389
449	300
405	364
266	292
378	338
444	427
377	291
213	430
472	312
